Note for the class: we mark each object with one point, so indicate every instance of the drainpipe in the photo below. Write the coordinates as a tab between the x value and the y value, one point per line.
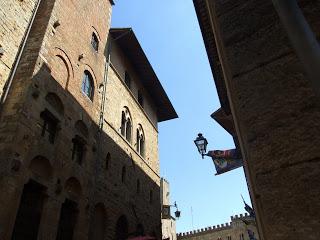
302	39
18	57
105	80
102	109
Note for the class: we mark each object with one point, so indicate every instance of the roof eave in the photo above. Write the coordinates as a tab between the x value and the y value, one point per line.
207	32
131	46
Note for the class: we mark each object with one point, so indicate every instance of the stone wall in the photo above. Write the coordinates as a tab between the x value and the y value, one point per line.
168	225
276	114
49	77
118	97
15	17
236	229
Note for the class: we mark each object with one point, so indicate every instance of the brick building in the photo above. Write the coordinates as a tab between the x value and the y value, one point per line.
237	229
269	105
78	136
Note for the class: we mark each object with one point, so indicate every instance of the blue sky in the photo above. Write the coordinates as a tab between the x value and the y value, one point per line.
169	33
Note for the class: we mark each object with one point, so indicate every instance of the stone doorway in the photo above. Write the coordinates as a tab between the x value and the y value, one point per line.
98	223
67	221
29	212
122	228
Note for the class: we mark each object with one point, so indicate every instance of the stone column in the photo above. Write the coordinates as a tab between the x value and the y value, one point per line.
10	195
49	219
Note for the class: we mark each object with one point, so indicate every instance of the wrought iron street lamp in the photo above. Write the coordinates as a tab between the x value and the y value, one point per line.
166	211
177	213
201	143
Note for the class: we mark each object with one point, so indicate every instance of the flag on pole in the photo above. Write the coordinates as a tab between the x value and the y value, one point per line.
248	208
226	160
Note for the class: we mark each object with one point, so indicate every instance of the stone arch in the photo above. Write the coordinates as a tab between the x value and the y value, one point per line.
122	228
73	187
55	102
60	52
61	67
95	41
97	33
41	167
126	124
94	77
87	85
140	230
140	141
82	128
98	224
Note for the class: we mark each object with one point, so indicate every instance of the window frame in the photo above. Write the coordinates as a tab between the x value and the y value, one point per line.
140	141
140	99
78	149
49	125
87	85
95	42
127	79
126	125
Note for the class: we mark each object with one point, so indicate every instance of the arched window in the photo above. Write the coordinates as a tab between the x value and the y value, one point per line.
122	228
49	125
78	149
140	98
107	163
127	79
151	196
82	128
128	130
87	85
123	174
140	141
140	230
126	124
95	42
138	186
55	102
97	228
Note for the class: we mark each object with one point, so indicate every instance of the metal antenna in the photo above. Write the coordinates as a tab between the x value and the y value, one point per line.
192	218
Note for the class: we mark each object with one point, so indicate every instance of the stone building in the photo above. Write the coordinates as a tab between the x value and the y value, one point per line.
78	133
237	229
270	107
168	221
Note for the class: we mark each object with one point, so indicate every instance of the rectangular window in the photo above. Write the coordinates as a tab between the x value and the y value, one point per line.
127	80
49	125
140	98
78	150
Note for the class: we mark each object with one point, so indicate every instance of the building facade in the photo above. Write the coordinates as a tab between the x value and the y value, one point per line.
270	107
168	221
78	125
238	229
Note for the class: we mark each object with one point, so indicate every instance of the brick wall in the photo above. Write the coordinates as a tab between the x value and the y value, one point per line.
50	64
14	19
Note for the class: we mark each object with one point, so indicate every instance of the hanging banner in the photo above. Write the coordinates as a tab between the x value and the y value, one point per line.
226	154
166	212
226	165
226	160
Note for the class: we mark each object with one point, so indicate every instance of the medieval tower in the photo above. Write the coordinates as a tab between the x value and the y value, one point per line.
80	106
